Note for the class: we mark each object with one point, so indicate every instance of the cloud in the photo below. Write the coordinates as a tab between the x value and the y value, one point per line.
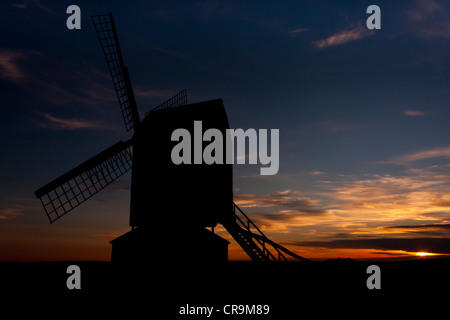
357	205
386	197
288	199
434	229
26	3
9	66
293	214
364	205
27	70
10	213
357	33
414	113
432	245
423	10
282	221
85	86
52	122
436	226
360	212
428	20
421	155
396	254
316	173
89	93
297	31
287	209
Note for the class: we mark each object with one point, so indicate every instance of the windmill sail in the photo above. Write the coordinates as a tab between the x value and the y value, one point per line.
79	184
180	99
107	35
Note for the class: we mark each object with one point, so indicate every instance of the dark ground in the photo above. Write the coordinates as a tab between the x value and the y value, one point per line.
292	290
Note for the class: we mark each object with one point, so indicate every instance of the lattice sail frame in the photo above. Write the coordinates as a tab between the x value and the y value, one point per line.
107	35
78	185
180	99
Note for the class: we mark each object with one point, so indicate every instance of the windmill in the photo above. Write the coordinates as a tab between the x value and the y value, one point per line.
171	206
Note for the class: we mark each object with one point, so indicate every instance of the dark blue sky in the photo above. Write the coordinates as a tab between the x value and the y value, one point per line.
356	109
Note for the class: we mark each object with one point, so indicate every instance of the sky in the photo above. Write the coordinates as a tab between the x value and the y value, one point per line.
362	116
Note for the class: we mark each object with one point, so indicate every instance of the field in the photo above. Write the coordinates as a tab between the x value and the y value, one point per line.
290	290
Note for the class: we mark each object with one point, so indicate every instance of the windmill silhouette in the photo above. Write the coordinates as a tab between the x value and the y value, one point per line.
171	206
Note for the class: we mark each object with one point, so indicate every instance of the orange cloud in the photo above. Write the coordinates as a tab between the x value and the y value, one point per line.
286	198
421	155
26	4
9	66
423	10
295	32
428	20
409	206
357	33
11	212
52	122
432	245
414	113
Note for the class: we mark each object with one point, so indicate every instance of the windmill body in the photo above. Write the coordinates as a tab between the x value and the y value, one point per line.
179	195
176	202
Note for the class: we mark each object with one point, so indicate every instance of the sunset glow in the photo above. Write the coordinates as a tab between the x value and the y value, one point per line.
424	254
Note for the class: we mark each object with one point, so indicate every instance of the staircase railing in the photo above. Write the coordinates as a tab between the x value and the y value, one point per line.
243	221
242	225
